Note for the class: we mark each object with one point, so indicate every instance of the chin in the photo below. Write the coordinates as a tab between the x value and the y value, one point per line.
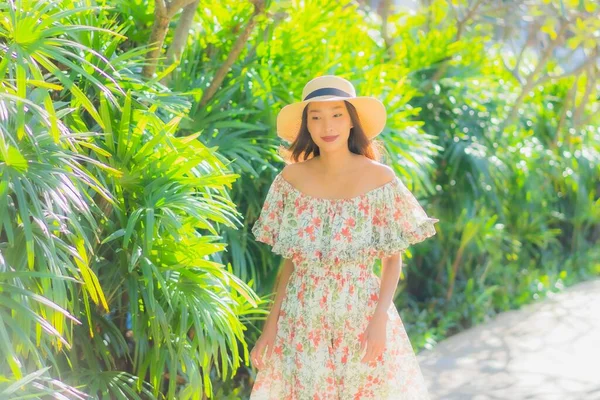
332	146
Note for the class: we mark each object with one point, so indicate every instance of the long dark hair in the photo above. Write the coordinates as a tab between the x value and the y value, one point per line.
358	143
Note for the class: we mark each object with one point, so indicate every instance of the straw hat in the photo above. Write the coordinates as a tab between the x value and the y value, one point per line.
371	111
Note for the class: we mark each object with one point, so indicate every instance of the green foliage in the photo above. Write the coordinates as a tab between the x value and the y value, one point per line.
508	233
126	206
109	221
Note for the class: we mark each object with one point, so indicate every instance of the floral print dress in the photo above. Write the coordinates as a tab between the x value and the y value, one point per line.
333	292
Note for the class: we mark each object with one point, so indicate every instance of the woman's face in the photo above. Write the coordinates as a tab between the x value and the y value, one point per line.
329	124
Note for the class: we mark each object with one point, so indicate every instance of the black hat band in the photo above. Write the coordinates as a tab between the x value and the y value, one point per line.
327	92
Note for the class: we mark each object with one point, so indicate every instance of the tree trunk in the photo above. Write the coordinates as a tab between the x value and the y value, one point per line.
384	7
182	31
164	11
157	38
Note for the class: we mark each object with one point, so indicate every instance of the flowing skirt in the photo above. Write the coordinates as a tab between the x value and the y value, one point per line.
317	354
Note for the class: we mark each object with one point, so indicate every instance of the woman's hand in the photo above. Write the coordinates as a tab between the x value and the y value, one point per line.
266	340
374	337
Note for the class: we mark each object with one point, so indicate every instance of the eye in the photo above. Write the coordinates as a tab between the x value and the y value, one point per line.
315	118
338	114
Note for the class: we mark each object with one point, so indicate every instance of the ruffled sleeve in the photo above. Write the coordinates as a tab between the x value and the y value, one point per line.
398	221
267	226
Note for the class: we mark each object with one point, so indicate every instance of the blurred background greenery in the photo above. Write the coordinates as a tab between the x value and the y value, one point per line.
137	144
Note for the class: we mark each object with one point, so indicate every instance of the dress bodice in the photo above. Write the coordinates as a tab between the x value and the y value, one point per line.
376	224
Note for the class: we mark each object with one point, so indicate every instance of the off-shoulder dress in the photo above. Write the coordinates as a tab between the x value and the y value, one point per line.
333	291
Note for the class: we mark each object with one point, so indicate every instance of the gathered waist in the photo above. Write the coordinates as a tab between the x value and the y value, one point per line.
338	289
337	271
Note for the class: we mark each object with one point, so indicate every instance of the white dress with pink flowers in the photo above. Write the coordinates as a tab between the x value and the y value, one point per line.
333	292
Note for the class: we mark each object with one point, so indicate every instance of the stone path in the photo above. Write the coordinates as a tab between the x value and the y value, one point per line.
549	350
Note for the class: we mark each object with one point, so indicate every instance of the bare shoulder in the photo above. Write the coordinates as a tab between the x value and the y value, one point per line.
378	172
365	169
292	172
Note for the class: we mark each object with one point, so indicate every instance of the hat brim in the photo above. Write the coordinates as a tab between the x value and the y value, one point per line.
371	112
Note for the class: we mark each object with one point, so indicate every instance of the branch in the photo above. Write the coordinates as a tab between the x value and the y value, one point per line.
163	13
385	12
176	5
161	7
513	71
547	54
182	31
277	18
461	23
530	81
506	39
522	52
545	78
453	9
589	86
239	44
157	37
572	94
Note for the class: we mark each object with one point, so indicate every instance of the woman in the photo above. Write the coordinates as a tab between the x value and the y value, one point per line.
333	331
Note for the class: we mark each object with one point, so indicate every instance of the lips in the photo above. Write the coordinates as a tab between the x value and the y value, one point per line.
329	138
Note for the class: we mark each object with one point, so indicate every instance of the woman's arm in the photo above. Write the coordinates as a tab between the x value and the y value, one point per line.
266	340
280	283
374	337
391	267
